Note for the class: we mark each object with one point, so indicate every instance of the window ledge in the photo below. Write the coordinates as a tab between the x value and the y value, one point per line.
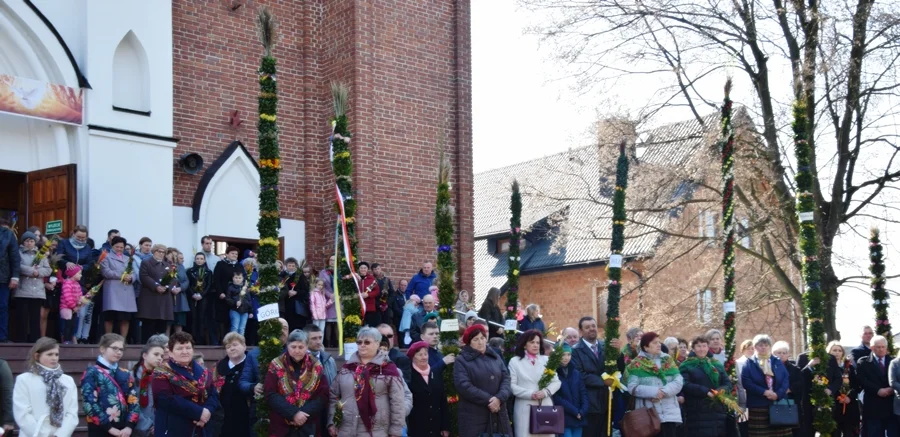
131	111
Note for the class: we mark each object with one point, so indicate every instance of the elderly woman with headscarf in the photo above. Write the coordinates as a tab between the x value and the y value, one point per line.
654	381
483	383
183	392
703	377
766	380
296	390
370	390
430	415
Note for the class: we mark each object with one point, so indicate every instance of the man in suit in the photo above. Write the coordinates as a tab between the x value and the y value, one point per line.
835	376
588	357
863	349
878	416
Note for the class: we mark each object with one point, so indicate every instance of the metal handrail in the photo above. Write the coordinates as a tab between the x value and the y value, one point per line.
499	325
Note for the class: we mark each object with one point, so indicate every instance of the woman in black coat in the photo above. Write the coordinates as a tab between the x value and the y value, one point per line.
200	299
481	377
490	312
430	415
782	351
703	416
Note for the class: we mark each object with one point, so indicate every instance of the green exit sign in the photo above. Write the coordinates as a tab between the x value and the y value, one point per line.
54	227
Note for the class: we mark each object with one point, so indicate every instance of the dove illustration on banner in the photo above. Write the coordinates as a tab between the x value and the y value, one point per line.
29	97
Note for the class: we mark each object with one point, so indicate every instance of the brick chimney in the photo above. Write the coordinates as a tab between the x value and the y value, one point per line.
612	130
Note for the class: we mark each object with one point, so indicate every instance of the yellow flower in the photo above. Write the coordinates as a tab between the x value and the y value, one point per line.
353	320
267	117
516	272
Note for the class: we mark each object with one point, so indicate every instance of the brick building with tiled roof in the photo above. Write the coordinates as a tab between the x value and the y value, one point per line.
567	212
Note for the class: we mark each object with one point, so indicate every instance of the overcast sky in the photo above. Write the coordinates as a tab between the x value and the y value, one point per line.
522	110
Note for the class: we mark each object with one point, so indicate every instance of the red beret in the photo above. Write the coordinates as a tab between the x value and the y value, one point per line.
473	330
415	347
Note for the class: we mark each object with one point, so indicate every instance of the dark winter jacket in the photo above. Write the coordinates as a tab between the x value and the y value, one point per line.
703	417
754	382
233	417
9	256
223	276
233	296
491	313
572	396
479	377
175	414
419	284
526	324
403	363
430	413
195	285
83	257
872	377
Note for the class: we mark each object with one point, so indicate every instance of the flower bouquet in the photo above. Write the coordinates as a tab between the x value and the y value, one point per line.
171	274
338	415
92	274
42	253
89	296
198	287
129	269
728	401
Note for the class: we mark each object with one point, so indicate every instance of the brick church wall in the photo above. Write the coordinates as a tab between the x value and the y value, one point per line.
408	65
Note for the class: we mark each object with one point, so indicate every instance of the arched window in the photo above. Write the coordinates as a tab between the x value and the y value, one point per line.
131	76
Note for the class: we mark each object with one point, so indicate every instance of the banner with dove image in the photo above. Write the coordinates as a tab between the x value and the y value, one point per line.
36	99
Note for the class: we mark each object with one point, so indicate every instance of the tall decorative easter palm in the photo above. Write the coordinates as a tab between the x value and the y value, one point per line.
512	272
270	345
443	230
813	298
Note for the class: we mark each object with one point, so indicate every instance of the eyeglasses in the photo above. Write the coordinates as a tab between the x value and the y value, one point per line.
117	349
364	342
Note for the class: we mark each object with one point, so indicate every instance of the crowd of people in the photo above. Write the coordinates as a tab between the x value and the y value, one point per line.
381	390
140	290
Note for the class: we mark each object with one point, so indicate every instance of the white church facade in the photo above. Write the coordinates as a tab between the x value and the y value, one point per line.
113	164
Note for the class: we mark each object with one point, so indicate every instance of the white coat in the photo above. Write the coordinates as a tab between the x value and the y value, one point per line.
645	389
523	380
32	413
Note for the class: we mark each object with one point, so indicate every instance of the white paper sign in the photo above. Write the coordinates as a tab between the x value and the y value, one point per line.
728	307
615	261
806	216
267	312
511	325
349	350
449	325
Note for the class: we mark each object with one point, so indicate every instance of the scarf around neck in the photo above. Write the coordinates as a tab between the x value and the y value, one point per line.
424	372
55	391
144	390
643	366
77	244
765	364
363	376
296	390
712	368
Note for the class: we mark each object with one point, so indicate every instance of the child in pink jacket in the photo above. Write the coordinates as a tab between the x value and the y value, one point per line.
69	301
318	304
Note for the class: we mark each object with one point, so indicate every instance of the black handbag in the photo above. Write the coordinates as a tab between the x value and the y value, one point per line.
490	430
784	413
